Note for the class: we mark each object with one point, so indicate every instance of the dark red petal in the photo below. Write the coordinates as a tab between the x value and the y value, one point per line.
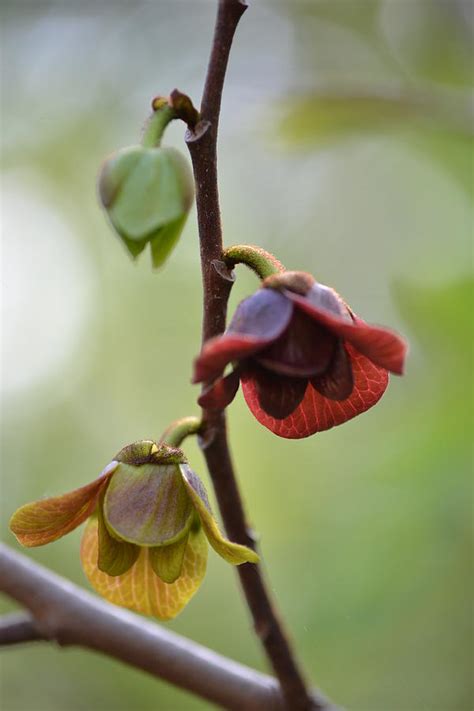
257	321
221	393
384	347
304	349
337	382
277	395
316	412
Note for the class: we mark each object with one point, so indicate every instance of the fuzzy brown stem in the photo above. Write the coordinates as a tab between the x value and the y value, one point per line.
202	144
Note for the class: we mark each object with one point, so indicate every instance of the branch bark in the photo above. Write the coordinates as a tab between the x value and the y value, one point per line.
64	613
202	144
17	628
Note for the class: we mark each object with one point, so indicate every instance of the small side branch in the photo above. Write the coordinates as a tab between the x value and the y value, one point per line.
17	628
62	612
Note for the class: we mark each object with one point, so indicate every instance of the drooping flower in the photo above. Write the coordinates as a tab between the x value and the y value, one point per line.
147	190
144	546
147	193
305	360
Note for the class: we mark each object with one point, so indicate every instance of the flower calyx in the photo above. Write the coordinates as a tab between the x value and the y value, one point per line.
149	452
297	282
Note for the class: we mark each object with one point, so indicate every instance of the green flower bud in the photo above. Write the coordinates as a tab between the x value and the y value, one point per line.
147	193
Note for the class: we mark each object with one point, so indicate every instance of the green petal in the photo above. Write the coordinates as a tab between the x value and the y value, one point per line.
155	188
231	552
47	520
165	240
148	504
167	561
115	557
133	247
115	172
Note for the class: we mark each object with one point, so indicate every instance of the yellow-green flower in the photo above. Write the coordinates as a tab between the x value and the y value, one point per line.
144	546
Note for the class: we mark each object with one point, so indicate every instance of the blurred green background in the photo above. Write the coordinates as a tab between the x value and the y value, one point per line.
345	149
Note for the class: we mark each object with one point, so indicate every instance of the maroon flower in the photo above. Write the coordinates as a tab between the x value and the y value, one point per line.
306	362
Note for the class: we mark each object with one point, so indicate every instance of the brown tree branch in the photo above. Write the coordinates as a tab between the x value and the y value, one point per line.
64	613
202	144
18	627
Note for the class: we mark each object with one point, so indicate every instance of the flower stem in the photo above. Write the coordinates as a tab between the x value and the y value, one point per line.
257	259
178	430
156	125
202	144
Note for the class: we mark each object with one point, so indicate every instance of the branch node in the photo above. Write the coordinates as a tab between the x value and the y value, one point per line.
207	437
223	270
200	130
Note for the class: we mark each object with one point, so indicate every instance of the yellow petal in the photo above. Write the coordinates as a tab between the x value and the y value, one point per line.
231	552
47	520
139	588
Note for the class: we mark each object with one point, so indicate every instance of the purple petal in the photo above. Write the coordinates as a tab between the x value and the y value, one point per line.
258	321
278	395
264	315
383	347
304	349
323	297
337	382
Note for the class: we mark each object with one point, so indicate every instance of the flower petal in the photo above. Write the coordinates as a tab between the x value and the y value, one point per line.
324	298
167	561
148	505
47	520
278	395
337	382
258	320
304	349
231	552
316	412
385	348
139	588
115	557
221	393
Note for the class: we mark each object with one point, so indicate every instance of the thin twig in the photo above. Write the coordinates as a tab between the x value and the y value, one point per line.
202	144
18	627
68	615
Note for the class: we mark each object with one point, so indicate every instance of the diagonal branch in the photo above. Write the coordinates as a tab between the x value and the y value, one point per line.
202	144
64	613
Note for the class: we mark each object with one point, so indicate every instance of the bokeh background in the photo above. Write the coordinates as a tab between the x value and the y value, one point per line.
345	149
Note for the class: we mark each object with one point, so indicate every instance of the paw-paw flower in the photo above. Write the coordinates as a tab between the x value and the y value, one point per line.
147	191
305	360
144	546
